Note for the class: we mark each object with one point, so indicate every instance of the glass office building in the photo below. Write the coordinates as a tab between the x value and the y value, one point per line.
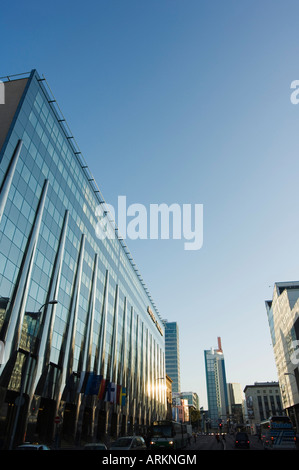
82	343
216	386
172	351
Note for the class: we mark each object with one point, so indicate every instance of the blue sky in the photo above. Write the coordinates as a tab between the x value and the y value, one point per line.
185	102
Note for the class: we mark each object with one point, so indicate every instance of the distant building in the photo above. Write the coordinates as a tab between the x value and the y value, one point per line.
283	318
235	394
183	415
262	400
216	385
204	419
192	399
235	403
172	354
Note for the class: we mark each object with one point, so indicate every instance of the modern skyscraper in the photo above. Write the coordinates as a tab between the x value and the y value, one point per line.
216	385
172	354
283	320
83	340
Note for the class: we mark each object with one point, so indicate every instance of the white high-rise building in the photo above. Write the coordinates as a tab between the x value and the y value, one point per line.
235	402
283	318
235	394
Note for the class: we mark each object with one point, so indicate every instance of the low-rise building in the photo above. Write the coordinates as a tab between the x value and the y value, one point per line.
262	400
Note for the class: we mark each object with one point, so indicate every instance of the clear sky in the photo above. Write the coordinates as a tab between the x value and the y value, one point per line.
185	101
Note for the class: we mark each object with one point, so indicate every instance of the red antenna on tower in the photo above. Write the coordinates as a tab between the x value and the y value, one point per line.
219	344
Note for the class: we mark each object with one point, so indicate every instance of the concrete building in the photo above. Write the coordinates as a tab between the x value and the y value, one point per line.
283	318
262	400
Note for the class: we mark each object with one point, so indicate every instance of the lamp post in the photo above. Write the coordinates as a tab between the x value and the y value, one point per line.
51	302
19	399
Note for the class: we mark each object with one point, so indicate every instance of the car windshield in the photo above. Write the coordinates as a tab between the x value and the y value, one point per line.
123	442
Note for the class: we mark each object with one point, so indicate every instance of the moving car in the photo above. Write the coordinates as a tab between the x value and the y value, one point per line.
129	443
242	440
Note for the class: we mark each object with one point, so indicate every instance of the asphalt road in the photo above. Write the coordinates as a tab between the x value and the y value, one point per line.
207	442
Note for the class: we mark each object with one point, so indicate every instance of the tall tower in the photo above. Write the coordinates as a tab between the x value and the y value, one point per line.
216	384
172	354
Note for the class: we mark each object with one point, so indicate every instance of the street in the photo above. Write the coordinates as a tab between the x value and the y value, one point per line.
209	442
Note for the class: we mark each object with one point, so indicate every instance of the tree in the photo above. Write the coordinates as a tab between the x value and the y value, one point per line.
195	417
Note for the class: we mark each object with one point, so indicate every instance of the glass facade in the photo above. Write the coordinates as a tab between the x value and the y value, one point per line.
172	351
216	386
99	326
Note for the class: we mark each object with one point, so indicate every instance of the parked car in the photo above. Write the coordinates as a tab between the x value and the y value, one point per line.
33	447
242	440
95	446
129	443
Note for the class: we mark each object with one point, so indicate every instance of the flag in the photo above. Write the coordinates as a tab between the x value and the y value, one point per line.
93	384
122	396
102	389
108	391
96	383
88	377
118	390
112	392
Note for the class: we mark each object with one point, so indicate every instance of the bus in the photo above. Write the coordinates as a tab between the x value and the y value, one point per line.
169	434
278	432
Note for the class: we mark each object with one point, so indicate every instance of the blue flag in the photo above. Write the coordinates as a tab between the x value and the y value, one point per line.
93	384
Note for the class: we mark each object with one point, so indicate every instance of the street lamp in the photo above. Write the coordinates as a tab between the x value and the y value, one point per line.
51	302
20	397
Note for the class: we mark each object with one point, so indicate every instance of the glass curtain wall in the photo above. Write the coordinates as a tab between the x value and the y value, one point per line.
99	327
